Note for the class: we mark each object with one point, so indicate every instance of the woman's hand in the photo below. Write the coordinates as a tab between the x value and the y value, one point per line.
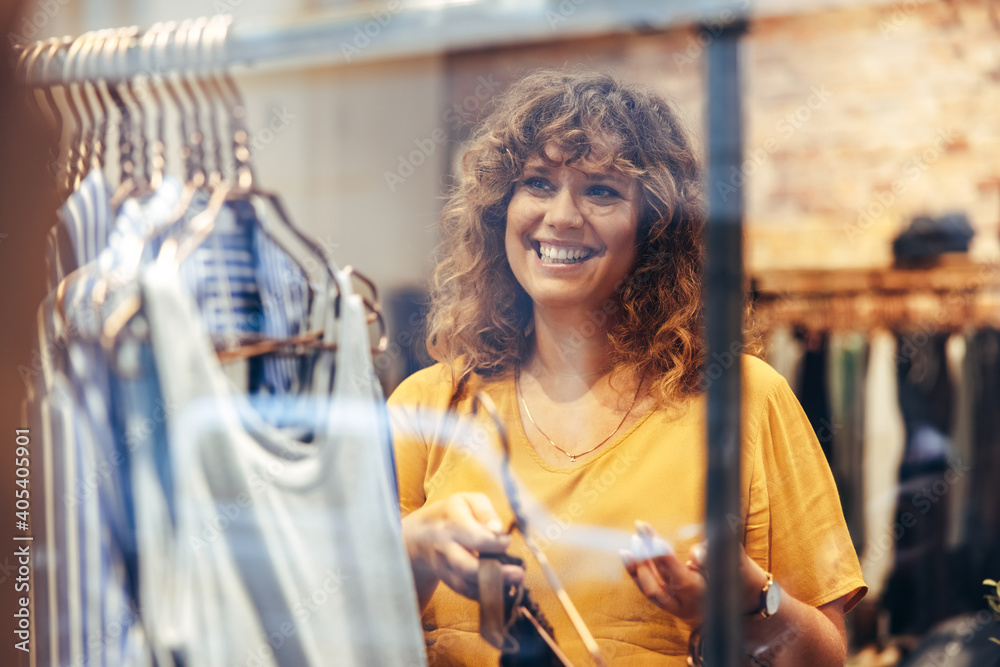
444	539
676	587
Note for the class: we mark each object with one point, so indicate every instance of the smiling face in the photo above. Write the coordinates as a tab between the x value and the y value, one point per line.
571	231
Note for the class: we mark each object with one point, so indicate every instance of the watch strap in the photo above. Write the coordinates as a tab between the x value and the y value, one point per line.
761	609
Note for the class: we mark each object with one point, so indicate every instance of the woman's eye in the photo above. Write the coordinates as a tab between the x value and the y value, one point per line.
603	191
536	183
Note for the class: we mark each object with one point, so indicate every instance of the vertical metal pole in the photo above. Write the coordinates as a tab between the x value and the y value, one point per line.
724	326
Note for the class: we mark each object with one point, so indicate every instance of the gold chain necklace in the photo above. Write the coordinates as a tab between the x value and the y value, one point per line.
572	457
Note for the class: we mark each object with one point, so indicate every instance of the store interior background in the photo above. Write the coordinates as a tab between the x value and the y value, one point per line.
858	117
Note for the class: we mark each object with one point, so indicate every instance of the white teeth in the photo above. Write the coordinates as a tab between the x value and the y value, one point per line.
561	255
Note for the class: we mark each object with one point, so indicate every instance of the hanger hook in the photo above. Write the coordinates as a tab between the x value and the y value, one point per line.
47	59
93	74
163	39
245	178
71	90
194	151
30	57
157	147
108	51
87	91
138	127
196	42
209	39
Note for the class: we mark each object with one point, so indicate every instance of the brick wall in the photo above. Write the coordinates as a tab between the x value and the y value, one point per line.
856	120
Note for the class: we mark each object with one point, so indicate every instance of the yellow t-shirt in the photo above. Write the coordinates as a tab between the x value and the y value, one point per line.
793	525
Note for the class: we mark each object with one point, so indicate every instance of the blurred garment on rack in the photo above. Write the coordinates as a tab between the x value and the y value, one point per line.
84	226
278	538
83	584
917	591
984	528
101	420
785	353
963	373
815	396
883	445
847	363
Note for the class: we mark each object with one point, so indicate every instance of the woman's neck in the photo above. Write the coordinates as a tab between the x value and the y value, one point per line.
569	345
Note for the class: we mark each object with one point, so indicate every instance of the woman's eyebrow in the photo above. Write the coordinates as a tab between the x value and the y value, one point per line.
605	176
539	167
543	169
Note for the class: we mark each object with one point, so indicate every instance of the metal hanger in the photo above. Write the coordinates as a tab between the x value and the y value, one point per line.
141	171
126	272
132	128
125	162
195	158
185	41
102	43
203	43
77	150
97	43
178	245
109	57
482	400
194	178
247	188
60	166
92	73
30	57
160	36
96	112
157	146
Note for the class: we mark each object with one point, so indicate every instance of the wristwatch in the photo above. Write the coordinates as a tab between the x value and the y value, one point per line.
770	598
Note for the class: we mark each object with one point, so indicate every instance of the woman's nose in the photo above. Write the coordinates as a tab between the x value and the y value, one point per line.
563	212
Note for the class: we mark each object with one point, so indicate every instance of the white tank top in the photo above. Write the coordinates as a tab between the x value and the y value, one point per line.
285	552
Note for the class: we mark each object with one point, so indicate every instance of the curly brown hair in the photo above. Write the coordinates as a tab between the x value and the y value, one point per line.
480	315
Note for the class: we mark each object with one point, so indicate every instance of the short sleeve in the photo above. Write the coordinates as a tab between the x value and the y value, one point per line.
412	409
795	526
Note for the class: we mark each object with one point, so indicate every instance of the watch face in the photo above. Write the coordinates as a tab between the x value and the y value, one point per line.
773	598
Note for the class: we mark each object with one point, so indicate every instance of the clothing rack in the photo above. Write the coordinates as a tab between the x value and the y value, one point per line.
399	30
948	297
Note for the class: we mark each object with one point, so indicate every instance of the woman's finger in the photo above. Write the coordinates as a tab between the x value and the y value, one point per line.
512	574
660	575
469	531
652	586
661	555
671	569
484	512
460	571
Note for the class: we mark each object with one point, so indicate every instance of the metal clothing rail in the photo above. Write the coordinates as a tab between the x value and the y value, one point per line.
398	29
723	297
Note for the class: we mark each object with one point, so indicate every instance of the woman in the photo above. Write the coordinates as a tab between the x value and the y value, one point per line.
570	293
